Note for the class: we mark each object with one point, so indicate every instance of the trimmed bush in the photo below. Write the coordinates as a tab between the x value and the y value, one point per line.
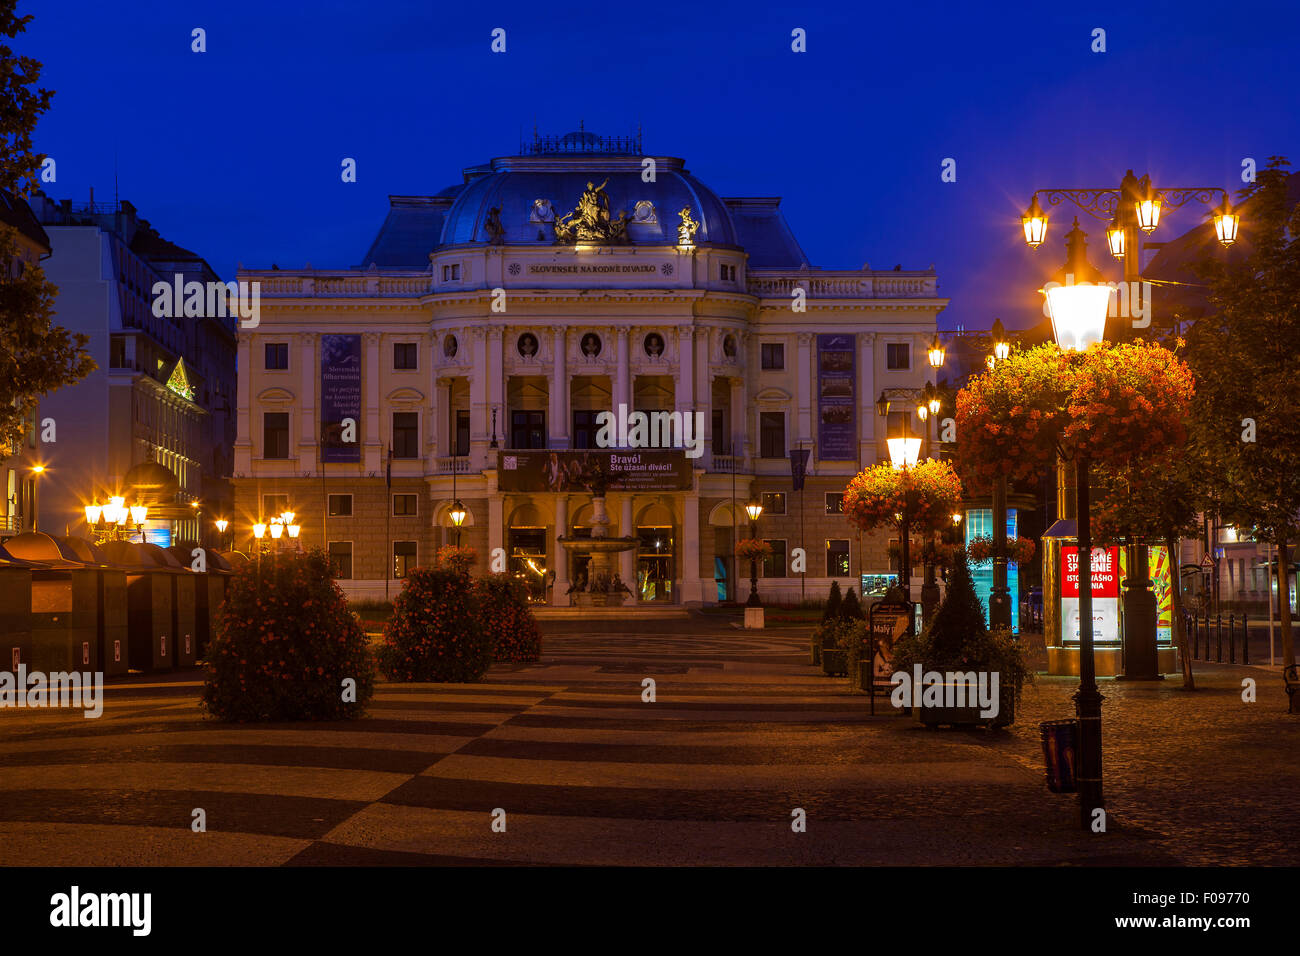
833	602
436	632
508	619
284	643
850	608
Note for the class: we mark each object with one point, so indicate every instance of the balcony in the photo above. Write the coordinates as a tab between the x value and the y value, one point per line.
459	464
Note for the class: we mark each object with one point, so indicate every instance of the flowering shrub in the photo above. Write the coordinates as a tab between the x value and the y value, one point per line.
931	491
982	549
455	558
285	641
752	549
436	632
508	618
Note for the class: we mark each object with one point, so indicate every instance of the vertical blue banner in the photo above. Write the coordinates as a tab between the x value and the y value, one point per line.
340	396
837	407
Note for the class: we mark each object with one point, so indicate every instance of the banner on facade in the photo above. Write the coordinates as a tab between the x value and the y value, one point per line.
340	397
837	408
637	470
1105	594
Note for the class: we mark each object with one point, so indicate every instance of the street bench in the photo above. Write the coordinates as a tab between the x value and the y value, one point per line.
1292	679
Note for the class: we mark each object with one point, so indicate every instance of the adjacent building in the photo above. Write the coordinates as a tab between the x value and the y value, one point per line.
471	354
164	388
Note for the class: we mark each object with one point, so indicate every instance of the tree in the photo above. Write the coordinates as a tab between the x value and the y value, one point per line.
1243	354
36	356
20	107
1157	504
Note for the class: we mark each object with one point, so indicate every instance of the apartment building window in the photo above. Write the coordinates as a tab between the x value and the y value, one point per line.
834	503
837	558
771	428
341	559
277	356
774	564
404	355
772	355
527	429
403	558
773	503
340	506
406	434
404	506
450	273
898	356
275	435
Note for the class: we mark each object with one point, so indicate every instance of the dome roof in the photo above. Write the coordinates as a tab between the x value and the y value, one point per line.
151	481
515	183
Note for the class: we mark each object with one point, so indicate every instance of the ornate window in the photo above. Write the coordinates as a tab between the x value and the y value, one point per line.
654	345
527	345
450	346
591	345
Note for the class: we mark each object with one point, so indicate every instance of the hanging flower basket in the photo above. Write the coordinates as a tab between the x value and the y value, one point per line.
752	549
983	548
928	493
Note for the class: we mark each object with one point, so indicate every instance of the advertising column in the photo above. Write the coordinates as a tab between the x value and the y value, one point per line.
1105	595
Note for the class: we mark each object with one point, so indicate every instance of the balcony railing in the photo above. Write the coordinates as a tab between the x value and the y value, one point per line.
459	464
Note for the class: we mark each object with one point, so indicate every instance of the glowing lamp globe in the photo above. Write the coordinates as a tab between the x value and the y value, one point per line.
1076	302
92	514
904	452
1034	222
1225	223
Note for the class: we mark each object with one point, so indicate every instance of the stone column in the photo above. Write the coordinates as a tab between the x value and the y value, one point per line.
806	374
374	441
496	523
866	399
684	383
480	418
307	419
623	377
496	384
703	387
559	595
627	559
243	464
689	567
559	392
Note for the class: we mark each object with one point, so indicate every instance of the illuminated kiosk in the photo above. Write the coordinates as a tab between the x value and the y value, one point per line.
1061	604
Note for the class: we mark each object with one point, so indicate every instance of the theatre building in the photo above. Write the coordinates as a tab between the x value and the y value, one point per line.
470	355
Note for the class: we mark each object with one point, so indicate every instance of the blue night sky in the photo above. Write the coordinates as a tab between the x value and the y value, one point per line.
236	152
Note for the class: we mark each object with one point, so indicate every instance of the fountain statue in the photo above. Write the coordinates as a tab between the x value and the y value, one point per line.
603	584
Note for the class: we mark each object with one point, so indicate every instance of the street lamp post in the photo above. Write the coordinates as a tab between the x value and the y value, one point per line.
1078	313
1000	597
38	471
221	524
754	509
457	518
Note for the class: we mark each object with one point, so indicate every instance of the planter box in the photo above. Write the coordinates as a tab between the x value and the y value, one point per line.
835	662
967	716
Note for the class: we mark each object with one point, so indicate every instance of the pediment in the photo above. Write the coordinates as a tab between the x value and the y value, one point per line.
275	395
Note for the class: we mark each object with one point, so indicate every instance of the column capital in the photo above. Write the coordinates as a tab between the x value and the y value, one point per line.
867	338
306	338
370	338
806	338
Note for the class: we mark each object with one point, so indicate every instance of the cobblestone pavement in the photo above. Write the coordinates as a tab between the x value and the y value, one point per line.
742	732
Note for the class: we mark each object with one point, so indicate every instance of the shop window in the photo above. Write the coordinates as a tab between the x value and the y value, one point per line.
340	506
277	356
654	565
406	434
773	503
771	427
275	435
340	553
528	560
837	558
403	558
774	565
404	506
404	355
773	356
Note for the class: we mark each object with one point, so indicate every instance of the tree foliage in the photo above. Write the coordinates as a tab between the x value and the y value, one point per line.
21	105
1248	394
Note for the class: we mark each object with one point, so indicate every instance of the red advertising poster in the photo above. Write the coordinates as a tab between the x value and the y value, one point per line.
1105	572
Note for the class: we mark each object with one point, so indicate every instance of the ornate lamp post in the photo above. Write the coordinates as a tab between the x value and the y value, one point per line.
221	524
259	532
754	509
904	452
1000	597
37	472
1078	315
457	518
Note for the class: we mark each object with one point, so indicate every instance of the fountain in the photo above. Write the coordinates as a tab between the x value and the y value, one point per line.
603	585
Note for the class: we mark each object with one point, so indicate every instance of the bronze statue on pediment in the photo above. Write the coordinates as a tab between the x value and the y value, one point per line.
590	222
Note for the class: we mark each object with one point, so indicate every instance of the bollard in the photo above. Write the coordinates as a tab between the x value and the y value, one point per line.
1245	639
1218	632
1232	638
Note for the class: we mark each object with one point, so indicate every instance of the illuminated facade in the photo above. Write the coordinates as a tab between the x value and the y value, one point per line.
489	325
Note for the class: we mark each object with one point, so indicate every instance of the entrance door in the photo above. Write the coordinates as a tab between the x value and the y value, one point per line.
654	564
722	563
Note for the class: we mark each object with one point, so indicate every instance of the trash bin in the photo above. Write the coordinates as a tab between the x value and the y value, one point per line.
183	585
1061	751
209	593
150	624
111	632
15	614
65	601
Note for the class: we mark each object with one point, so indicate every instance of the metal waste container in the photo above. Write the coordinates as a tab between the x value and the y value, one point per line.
1061	752
65	599
149	614
15	614
112	635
